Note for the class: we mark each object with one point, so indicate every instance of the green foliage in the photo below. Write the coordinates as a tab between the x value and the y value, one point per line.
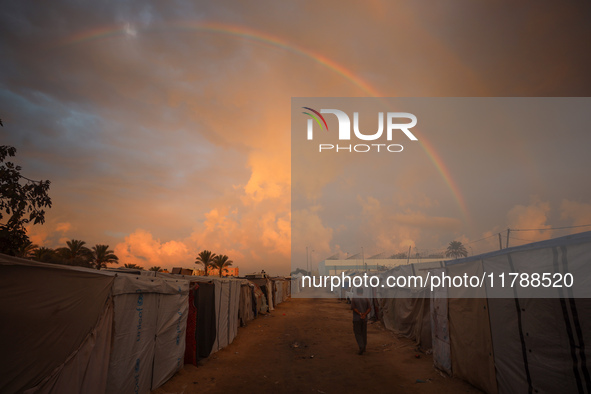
133	266
75	253
456	249
27	250
22	201
221	262
156	269
101	256
46	255
206	258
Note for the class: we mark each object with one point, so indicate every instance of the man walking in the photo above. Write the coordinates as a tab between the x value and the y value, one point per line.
361	308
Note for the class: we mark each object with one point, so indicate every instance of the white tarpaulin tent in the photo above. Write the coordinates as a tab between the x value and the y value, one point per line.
227	302
521	344
80	330
149	332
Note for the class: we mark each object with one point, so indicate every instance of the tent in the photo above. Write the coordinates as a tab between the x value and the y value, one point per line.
56	327
81	330
266	286
511	342
406	310
215	307
247	308
150	317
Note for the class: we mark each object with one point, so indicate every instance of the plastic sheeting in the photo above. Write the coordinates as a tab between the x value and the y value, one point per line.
85	371
470	336
53	312
409	317
440	328
246	309
540	343
149	323
226	303
278	294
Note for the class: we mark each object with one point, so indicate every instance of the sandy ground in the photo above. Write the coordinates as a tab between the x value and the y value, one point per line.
308	346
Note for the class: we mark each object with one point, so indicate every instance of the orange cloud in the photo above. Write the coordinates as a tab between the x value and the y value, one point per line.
63	227
578	212
530	217
394	230
142	249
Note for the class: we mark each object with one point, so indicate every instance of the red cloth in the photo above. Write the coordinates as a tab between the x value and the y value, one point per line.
191	343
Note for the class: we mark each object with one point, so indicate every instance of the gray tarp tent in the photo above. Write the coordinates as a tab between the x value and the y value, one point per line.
56	328
520	344
74	329
149	332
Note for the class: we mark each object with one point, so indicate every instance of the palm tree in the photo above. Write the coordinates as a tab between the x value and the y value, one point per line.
134	266
221	262
75	253
156	269
44	255
456	249
206	258
101	256
27	250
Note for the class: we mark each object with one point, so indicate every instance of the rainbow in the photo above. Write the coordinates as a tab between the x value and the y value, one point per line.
228	30
446	175
244	33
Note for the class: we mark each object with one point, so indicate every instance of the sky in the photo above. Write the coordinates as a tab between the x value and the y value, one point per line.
164	127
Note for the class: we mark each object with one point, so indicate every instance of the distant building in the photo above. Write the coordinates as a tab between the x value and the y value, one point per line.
182	271
333	266
231	271
259	275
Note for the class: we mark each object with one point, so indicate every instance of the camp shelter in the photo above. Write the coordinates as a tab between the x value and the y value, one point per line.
296	283
81	330
247	309
277	290
266	285
519	343
56	328
150	317
260	299
286	288
203	328
224	310
406	309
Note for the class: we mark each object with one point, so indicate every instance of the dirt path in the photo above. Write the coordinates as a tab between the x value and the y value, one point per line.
307	346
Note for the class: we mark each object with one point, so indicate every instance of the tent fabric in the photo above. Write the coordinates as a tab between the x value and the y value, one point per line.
266	287
470	335
246	309
52	310
226	299
135	323
409	317
147	311
471	345
540	343
190	340
278	291
222	305
440	328
233	321
261	300
406	310
205	331
85	371
170	334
